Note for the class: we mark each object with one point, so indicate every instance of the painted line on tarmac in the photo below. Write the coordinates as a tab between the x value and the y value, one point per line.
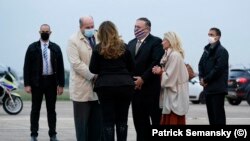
28	118
228	118
22	118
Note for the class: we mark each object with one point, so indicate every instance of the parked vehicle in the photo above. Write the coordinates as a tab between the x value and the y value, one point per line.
238	86
5	68
196	94
11	101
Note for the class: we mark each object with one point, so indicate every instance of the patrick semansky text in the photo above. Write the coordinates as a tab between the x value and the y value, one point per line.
190	132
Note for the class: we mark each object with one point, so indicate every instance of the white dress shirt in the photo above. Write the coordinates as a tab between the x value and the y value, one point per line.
50	71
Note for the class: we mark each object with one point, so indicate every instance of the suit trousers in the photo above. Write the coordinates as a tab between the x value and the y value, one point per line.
146	112
48	88
215	108
88	120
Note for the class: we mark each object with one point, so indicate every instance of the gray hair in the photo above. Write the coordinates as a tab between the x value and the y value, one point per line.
81	20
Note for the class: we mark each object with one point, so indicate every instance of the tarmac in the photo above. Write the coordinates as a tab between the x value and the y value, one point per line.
16	127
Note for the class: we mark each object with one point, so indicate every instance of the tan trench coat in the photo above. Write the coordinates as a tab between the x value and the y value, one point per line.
79	54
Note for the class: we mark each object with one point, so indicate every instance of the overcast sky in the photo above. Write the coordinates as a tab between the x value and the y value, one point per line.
20	21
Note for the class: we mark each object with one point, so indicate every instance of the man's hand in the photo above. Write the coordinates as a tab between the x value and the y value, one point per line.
202	83
59	90
138	82
27	89
94	78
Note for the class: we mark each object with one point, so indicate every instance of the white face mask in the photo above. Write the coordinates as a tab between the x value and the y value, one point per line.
211	40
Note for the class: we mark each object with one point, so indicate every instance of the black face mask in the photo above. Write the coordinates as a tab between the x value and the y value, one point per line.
45	36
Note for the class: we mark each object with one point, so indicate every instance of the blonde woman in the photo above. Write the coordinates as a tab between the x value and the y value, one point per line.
174	81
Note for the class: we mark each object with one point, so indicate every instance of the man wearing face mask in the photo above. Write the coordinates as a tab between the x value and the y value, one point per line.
213	74
87	112
43	76
147	51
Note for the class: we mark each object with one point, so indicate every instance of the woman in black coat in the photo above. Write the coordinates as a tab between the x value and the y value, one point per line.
113	64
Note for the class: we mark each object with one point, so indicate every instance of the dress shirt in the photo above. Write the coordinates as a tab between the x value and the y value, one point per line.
50	71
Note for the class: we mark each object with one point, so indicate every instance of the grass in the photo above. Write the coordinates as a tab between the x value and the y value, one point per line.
27	97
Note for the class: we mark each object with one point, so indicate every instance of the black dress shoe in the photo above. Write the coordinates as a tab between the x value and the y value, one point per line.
33	138
53	138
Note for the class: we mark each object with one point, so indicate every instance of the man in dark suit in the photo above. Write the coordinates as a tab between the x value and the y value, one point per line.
43	75
147	51
213	74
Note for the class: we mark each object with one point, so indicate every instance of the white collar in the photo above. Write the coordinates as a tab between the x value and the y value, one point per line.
142	40
42	42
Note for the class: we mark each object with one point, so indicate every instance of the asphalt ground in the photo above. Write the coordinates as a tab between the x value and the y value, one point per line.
16	127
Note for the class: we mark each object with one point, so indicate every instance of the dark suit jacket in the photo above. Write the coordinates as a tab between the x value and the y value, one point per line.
213	68
148	55
33	65
112	72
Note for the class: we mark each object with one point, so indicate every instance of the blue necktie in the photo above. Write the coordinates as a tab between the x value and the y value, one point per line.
45	56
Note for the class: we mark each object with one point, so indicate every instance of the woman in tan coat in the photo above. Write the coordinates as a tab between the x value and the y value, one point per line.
174	82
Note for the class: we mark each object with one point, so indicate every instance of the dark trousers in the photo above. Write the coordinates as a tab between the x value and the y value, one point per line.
215	108
49	89
115	102
146	112
88	120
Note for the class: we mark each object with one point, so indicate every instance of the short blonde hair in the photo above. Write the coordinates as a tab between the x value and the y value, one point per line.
175	42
